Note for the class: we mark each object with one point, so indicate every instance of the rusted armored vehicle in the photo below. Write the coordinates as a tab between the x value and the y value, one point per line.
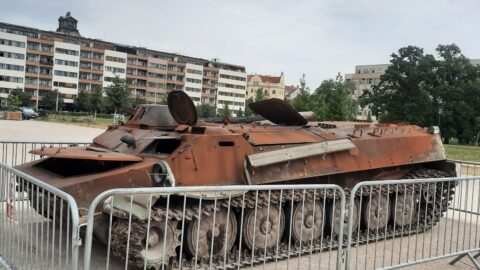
165	146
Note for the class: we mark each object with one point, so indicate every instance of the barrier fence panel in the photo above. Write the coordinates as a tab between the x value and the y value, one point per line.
467	168
17	152
405	222
229	227
38	224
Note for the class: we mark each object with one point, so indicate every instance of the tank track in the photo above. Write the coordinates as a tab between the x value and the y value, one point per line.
429	215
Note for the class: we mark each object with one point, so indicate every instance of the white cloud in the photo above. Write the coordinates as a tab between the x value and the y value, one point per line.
318	38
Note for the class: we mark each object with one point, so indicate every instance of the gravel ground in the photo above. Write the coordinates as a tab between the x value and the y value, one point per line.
454	229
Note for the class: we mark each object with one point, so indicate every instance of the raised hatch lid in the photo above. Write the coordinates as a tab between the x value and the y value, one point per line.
76	152
181	108
278	111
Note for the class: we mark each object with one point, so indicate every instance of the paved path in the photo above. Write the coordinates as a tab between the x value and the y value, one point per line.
31	130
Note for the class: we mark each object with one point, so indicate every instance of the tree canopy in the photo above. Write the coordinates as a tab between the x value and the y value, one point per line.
49	101
19	98
426	90
117	95
205	110
330	101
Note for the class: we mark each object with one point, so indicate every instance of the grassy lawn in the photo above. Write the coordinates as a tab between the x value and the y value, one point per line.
463	152
84	121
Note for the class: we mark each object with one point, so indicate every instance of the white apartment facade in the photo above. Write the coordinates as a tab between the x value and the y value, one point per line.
66	57
12	63
194	82
114	65
232	87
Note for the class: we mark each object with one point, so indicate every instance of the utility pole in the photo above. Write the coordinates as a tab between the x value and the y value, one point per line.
56	105
38	86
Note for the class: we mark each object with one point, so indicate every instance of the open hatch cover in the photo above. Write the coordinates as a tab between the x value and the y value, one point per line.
77	152
181	108
278	111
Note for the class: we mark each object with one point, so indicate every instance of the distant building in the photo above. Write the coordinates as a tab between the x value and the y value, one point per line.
39	61
291	91
365	77
272	86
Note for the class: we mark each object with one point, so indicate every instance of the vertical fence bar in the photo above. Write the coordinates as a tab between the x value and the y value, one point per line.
32	221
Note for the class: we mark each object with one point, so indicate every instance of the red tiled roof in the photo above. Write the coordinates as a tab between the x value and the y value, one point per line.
290	89
264	78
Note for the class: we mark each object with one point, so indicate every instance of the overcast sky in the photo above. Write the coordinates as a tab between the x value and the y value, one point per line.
318	38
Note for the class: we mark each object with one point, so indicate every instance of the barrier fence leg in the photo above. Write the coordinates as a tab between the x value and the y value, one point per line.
470	256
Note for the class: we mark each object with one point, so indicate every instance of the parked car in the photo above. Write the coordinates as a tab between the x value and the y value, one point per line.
28	113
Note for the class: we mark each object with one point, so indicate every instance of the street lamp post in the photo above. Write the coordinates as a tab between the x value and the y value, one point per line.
38	87
56	103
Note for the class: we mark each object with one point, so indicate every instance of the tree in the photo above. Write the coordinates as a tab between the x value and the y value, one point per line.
302	101
225	112
457	92
240	113
161	99
332	100
14	100
137	101
205	110
248	111
81	102
96	101
19	98
420	89
50	100
259	95
403	93
117	95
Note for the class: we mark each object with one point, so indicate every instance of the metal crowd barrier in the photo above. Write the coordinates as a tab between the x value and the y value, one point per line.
13	153
399	223
407	222
227	227
38	224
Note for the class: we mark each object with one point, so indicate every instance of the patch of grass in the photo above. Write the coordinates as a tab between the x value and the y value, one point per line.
463	152
84	121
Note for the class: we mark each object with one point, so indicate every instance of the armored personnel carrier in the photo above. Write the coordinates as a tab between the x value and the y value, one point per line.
166	146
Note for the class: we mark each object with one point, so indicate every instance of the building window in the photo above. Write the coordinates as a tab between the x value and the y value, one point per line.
66	74
66	51
66	63
12	43
190	80
159	66
11	67
231	77
12	55
115	59
65	85
11	79
194	71
114	69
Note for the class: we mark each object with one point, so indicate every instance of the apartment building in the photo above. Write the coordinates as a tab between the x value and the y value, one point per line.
13	51
231	87
365	77
272	86
39	61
